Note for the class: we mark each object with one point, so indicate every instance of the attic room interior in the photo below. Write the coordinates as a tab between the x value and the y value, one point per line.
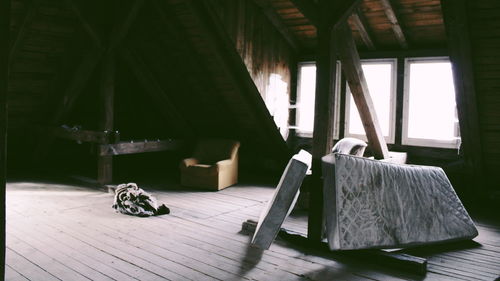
250	139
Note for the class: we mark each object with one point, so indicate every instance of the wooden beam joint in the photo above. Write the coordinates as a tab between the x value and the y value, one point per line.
395	23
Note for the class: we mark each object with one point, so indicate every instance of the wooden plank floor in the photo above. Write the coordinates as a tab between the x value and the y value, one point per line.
67	232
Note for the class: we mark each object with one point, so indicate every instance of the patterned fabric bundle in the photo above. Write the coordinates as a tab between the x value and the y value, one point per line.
132	200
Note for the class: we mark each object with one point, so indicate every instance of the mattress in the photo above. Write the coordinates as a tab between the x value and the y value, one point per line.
375	204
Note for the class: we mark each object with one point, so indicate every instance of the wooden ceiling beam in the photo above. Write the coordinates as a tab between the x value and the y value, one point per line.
156	92
77	83
338	11
351	66
276	21
75	87
27	20
308	9
362	25
119	32
231	63
395	23
332	12
190	60
89	29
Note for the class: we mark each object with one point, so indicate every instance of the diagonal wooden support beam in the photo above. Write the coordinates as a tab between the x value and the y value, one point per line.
455	18
309	9
77	83
236	71
120	31
156	92
351	66
21	33
362	25
75	87
89	29
395	23
276	21
337	12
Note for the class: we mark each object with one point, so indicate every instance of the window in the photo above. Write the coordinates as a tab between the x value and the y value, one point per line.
306	91
381	78
305	98
429	110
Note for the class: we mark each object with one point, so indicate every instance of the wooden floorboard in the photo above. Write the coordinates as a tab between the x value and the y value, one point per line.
65	232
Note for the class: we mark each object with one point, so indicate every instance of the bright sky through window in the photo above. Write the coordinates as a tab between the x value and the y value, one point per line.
307	87
431	101
379	79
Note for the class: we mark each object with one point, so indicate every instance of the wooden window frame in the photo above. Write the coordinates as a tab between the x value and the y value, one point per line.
431	143
336	126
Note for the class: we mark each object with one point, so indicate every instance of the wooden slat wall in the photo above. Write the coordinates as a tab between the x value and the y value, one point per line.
261	46
33	67
484	25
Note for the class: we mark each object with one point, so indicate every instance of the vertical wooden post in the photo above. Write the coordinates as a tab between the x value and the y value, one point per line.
455	18
107	93
4	50
323	121
351	66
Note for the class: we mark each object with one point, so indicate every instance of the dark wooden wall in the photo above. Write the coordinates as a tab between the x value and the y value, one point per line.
258	42
484	24
40	32
4	47
168	83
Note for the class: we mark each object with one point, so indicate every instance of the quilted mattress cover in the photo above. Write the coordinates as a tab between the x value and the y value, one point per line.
374	204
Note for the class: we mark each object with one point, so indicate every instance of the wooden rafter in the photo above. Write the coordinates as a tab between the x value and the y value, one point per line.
362	25
338	11
351	66
77	83
75	87
174	33
276	21
308	9
156	92
234	67
335	11
21	33
89	29
395	23
120	31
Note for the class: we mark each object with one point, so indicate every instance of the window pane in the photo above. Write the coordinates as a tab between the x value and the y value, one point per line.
431	101
306	93
379	79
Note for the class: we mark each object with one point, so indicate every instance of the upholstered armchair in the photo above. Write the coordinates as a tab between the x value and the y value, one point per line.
213	165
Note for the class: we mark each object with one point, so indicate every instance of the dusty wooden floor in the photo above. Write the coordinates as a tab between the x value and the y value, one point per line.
62	232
